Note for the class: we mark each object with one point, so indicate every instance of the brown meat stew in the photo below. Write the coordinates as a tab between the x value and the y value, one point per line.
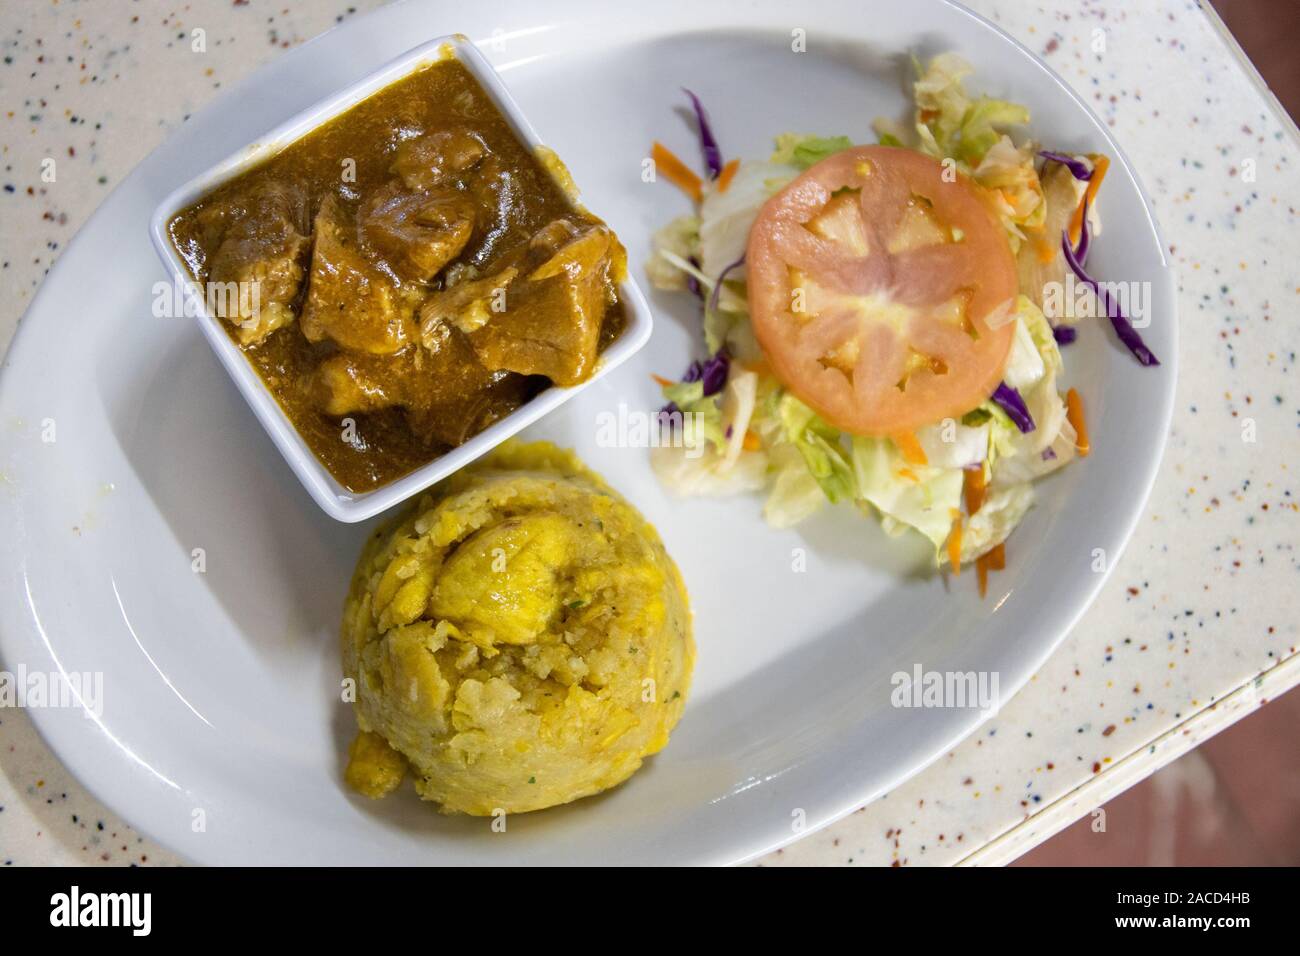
406	275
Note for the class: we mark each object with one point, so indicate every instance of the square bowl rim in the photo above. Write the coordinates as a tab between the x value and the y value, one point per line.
332	497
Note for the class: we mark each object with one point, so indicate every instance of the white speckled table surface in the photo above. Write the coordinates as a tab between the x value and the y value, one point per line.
1196	627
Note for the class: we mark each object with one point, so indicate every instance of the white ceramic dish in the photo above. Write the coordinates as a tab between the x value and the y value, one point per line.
221	688
338	501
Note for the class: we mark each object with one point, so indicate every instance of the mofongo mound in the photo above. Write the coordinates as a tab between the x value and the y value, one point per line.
519	639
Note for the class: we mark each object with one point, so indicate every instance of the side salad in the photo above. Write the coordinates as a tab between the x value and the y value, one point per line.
873	319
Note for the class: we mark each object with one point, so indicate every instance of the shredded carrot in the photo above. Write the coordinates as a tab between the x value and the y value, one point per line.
954	544
998	557
1046	250
678	173
751	442
973	489
910	448
1099	166
727	174
1074	414
661	381
995	559
908	473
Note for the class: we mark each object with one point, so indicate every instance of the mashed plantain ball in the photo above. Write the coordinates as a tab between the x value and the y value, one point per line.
519	639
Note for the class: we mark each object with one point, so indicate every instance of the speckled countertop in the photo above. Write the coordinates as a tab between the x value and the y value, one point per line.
1198	624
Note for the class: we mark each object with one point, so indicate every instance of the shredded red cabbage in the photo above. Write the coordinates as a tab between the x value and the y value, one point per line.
692	283
717	288
1014	405
1065	334
693	373
714	372
1123	328
712	154
1078	169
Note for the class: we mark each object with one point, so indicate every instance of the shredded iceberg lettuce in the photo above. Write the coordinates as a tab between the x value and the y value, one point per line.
954	444
699	476
987	528
972	131
709	456
1008	173
953	122
921	497
726	216
705	415
1040	330
803	150
795	493
1034	349
680	239
1025	366
1020	457
820	446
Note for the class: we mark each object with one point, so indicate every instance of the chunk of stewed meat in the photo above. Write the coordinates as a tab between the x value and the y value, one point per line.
552	316
438	157
261	251
349	300
416	232
346	384
466	306
498	191
442	386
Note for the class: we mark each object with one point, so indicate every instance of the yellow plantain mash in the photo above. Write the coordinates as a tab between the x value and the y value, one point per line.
519	639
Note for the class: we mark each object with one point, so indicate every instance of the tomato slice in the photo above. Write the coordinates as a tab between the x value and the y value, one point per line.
872	281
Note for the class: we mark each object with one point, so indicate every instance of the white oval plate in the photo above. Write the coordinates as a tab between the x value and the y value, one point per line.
221	689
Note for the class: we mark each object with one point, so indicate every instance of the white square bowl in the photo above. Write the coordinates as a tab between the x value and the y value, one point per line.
337	501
